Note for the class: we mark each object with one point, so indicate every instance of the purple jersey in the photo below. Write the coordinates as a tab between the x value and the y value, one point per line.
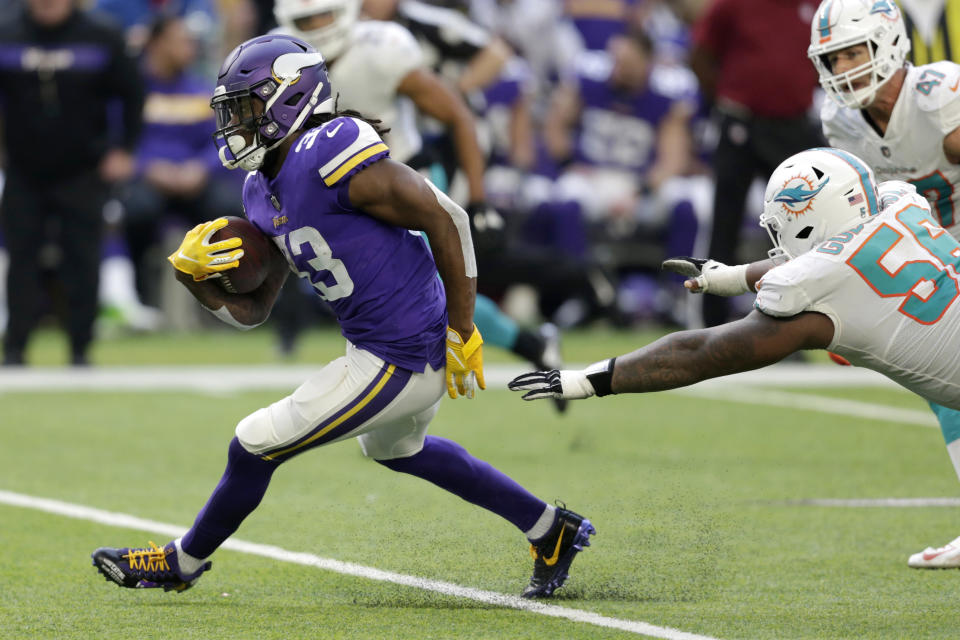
618	128
380	280
496	103
177	122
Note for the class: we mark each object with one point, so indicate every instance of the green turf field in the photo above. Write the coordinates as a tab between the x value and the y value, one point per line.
695	502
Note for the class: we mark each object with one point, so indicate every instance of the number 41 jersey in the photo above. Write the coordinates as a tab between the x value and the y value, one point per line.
890	286
380	280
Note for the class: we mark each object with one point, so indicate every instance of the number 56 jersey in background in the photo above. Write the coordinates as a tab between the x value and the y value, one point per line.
891	287
911	149
379	279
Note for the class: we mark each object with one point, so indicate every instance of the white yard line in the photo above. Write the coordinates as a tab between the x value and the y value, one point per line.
126	521
235	378
875	502
812	402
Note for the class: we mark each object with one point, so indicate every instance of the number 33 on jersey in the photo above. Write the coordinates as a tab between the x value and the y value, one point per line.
352	260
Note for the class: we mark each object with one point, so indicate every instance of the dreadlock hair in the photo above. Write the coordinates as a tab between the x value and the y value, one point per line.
317	119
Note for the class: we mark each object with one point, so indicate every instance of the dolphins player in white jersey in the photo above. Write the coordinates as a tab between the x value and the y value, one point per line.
904	121
378	68
867	273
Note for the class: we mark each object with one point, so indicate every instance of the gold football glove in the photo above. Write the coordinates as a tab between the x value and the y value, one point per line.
201	259
464	363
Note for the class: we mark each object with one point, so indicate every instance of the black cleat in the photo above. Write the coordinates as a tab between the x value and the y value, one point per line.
149	568
553	553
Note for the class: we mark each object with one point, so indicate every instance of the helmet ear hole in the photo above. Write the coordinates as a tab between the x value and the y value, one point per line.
802	209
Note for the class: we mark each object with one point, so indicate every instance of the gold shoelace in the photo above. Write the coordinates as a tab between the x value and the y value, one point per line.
150	560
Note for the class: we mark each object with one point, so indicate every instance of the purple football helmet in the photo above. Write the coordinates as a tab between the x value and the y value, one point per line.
266	89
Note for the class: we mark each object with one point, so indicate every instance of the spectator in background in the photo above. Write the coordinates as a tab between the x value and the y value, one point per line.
620	125
555	47
760	123
136	16
241	20
667	22
513	179
60	69
263	12
178	172
505	123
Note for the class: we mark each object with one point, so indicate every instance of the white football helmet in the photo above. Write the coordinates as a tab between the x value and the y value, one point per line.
814	195
839	24
331	39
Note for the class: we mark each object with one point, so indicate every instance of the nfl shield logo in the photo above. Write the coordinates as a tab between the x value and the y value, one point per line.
885	151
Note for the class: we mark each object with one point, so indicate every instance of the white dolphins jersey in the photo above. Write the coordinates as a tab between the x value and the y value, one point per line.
891	287
927	109
366	76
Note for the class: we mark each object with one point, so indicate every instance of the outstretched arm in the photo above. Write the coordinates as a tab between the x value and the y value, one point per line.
686	357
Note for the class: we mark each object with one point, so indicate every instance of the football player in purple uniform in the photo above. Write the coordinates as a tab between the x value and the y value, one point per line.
351	221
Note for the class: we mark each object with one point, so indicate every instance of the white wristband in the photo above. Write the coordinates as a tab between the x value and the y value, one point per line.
575	385
723	280
224	315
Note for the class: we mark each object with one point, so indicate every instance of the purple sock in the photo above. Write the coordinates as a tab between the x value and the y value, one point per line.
239	492
448	465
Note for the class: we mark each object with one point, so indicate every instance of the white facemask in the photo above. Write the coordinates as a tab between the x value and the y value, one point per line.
252	161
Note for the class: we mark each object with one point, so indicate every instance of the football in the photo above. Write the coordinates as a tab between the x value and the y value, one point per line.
258	252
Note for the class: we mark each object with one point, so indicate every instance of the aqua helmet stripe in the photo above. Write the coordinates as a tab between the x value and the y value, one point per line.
824	23
869	188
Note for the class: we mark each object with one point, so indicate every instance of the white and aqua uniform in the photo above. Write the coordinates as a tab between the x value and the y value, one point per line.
911	149
366	75
891	286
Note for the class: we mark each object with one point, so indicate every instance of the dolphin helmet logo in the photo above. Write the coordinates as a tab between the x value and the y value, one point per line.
797	194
